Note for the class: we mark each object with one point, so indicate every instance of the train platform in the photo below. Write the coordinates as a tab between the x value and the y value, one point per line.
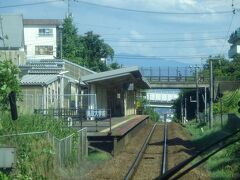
121	130
119	125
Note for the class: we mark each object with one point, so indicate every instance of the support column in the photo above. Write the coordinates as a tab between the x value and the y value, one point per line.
62	92
76	98
125	103
44	103
92	102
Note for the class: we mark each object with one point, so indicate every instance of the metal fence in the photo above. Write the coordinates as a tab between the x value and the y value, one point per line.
171	74
94	119
29	102
69	150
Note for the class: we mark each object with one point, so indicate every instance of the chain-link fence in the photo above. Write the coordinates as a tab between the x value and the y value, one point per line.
69	150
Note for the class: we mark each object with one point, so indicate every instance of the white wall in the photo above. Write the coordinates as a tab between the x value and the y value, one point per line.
32	39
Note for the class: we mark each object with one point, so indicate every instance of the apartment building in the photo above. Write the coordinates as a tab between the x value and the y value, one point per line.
42	38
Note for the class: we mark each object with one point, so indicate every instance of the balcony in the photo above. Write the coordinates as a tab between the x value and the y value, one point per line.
233	51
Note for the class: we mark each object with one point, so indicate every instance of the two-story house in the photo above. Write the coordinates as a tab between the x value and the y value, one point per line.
12	39
41	38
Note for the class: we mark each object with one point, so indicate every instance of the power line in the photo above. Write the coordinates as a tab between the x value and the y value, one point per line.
165	47
166	40
161	57
97	25
30	4
151	12
165	33
229	28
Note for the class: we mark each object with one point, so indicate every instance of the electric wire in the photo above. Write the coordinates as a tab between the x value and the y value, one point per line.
229	28
151	12
30	4
164	40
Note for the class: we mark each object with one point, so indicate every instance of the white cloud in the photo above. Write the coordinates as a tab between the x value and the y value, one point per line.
136	35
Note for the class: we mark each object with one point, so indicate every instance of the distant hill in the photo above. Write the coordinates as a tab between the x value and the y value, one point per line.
145	61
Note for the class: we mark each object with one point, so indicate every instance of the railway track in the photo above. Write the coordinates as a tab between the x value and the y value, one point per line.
151	161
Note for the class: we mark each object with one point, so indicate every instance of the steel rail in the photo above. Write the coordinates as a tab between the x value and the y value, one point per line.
164	159
136	162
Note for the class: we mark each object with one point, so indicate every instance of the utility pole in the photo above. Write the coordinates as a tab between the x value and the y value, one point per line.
211	95
182	110
197	91
68	10
60	32
185	111
205	104
61	36
197	94
2	37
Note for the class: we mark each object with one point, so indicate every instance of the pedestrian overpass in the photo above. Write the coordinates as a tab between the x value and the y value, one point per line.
174	78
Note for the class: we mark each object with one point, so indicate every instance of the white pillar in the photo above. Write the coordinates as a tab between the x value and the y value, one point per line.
92	102
62	92
76	97
44	97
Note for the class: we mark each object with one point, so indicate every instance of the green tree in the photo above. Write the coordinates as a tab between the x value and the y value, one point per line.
70	40
220	64
8	82
115	65
86	50
94	49
234	68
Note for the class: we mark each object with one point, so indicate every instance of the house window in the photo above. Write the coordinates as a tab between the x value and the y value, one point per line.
45	32
43	50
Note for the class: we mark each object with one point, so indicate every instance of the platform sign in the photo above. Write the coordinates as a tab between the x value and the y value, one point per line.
96	113
7	157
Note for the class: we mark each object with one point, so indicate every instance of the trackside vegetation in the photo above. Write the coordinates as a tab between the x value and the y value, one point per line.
141	108
35	154
226	163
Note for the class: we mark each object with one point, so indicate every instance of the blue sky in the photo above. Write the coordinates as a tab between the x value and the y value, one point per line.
163	38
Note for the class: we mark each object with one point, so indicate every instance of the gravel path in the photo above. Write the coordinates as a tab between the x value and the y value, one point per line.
150	166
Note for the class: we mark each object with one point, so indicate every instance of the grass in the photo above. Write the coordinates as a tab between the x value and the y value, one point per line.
35	154
97	156
226	163
94	160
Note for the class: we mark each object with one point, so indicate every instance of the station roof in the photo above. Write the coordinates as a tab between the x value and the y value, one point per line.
45	79
40	79
117	77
